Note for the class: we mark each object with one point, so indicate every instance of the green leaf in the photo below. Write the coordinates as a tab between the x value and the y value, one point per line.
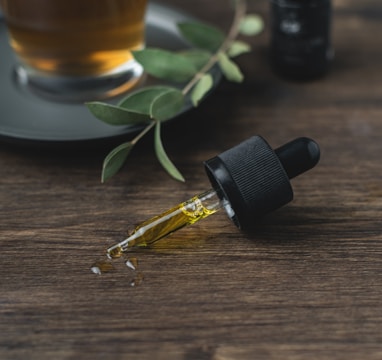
201	89
202	36
238	48
167	104
165	64
141	100
230	70
163	158
115	115
197	56
115	160
251	25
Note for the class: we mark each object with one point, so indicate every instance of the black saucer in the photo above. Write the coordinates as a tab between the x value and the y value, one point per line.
28	118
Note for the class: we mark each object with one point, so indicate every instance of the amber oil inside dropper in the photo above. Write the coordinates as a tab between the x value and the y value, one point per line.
156	228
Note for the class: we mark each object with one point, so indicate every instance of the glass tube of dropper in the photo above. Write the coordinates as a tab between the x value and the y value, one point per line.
158	227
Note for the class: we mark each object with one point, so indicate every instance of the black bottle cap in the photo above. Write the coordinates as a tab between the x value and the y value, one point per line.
255	179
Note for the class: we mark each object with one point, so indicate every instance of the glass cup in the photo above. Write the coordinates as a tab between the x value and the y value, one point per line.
76	50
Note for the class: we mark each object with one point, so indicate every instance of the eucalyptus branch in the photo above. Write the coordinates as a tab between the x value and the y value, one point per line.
240	11
151	106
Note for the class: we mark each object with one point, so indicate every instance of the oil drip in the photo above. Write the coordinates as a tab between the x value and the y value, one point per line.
106	266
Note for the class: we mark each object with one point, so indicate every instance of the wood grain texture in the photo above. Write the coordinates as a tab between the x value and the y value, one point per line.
307	284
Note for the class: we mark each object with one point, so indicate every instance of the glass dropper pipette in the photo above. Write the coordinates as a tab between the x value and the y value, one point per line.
249	180
158	227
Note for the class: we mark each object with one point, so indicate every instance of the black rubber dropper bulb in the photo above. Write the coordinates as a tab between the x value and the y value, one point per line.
255	179
248	180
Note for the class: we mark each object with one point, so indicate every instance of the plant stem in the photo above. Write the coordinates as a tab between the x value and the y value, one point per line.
240	11
143	132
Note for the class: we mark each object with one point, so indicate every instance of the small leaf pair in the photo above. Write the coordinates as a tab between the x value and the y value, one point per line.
117	157
157	103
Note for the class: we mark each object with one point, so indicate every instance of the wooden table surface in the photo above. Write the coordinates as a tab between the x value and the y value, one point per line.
307	284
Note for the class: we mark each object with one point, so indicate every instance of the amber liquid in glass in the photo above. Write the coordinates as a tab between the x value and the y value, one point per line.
75	37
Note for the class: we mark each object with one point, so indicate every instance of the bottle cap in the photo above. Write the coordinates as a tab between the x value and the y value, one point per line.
255	179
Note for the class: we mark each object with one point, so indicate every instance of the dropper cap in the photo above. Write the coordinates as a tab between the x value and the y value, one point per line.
255	179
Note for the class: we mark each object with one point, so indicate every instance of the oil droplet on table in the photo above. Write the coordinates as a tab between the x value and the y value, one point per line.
105	266
132	263
137	280
102	267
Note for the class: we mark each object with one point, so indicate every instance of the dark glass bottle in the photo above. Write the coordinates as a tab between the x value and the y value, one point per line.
300	38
